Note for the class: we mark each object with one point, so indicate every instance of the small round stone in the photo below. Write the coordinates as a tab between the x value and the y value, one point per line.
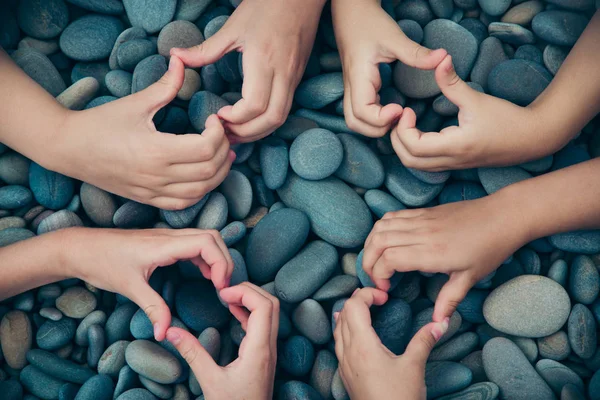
180	34
316	154
76	302
191	84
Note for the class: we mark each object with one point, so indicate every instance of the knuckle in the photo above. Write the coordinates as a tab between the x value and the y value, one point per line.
276	118
189	354
454	79
179	204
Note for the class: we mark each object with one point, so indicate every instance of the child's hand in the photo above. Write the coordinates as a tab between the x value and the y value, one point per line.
368	369
276	38
466	240
117	148
491	131
123	261
366	36
251	375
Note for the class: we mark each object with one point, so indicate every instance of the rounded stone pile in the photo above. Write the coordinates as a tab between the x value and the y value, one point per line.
295	210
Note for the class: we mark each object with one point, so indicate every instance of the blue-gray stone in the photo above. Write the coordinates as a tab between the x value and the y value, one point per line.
320	91
180	34
570	155
530	261
582	331
229	67
14	169
9	30
326	121
415	83
214	25
147	72
117	325
494	8
444	377
391	95
494	179
405	186
305	273
540	165
365	279
586	242
160	391
511	33
11	388
529	52
43	19
99	387
456	348
528	306
233	233
554	347
202	105
393	324
442	8
459	42
126	35
190	10
561	28
274	162
127	380
296	390
53	335
153	362
293	127
264	196
113	7
491	53
59	368
518	81
411	29
243	151
175	121
316	154
140	326
312	322
99	101
460	191
9	236
477	28
240	271
445	107
471	307
417	10
59	220
360	165
322	373
337	287
584	280
214	213
82	70
381	202
553	57
296	356
558	375
152	15
211	80
506	365
558	272
130	53
136	394
113	359
90	37
199	307
134	215
433	178
238	191
336	213
50	189
14	196
183	218
477	391
40	69
97	317
330	61
39	383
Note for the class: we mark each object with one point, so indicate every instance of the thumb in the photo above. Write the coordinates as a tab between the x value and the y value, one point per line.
192	351
209	52
454	88
159	94
413	54
452	293
155	308
424	340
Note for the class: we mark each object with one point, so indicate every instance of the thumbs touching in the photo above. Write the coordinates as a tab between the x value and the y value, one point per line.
208	52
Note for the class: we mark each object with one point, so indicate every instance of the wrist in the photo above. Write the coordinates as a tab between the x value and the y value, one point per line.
553	133
64	250
52	151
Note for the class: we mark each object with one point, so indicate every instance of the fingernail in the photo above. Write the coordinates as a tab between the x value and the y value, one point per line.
171	64
336	315
156	328
173	337
440	329
232	156
355	290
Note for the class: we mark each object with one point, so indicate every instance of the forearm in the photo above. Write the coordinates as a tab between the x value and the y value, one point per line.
561	201
34	262
31	117
573	97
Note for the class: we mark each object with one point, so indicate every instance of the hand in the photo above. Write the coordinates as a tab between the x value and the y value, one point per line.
116	147
123	261
366	36
367	368
250	376
491	131
276	38
466	240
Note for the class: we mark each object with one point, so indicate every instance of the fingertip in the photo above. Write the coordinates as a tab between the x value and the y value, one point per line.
173	336
439	329
159	332
225	112
383	285
391	112
408	120
231	156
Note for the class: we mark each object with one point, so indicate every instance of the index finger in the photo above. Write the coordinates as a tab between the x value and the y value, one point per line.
193	147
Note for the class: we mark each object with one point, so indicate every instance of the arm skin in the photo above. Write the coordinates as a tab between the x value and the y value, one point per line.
115	260
495	132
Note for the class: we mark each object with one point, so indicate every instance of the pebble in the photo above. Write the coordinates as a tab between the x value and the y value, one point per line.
214	25
392	323
571	392
50	189
99	387
214	213
80	93
153	362
133	215
511	33
477	28
502	81
15	338
494	179
40	384
506	366
494	8
477	391
42	19
475	363
113	7
14	169
338	390
522	14
202	105
14	196
405	186
136	394
317	92
554	347
325	121
529	52
381	202
584	280
51	313
561	28
179	219
191	84
199	307
557	375
148	71
9	30
151	15
181	34
574	4
424	317
190	10
585	242
414	82
274	161
113	359
316	154
76	302
582	331
323	371
336	213
411	29
445	377
132	52
53	335
296	356
97	317
59	220
99	205
40	69
337	287
46	47
296	390
416	10
233	233
91	37
553	57
312	322
360	166
293	127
